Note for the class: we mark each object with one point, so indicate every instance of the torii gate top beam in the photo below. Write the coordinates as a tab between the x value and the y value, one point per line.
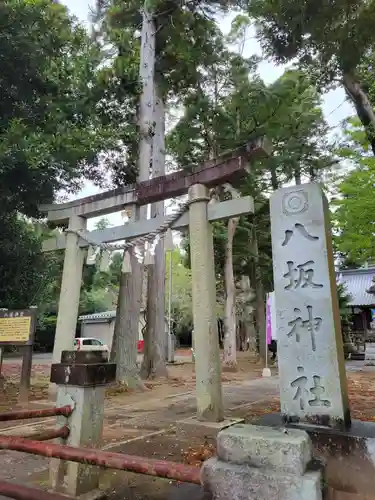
227	167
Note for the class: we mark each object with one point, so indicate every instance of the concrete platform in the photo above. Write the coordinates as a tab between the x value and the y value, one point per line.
348	454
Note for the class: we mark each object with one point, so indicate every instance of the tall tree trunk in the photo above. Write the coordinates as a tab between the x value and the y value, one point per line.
313	174
247	312
362	105
130	291
260	302
230	320
146	102
297	176
274	181
156	345
124	345
230	323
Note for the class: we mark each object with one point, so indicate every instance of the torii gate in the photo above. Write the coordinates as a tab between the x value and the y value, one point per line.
225	168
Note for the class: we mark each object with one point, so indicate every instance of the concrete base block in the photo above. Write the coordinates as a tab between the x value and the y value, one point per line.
192	424
242	482
349	456
263	447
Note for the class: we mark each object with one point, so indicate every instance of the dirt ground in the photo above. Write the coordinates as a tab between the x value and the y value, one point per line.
147	424
181	377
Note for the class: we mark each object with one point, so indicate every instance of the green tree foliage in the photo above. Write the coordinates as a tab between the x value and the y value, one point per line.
55	124
188	44
181	303
329	35
100	287
247	258
25	271
344	300
354	210
52	129
288	112
365	74
229	107
332	40
30	277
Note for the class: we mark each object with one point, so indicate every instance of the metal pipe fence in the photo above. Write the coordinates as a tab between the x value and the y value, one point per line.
140	465
65	411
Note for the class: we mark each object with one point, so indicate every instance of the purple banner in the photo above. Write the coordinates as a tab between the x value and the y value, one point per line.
268	321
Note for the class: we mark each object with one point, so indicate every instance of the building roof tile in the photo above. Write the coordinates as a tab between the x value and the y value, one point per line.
358	282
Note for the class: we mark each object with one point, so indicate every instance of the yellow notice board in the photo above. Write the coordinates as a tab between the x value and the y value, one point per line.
15	329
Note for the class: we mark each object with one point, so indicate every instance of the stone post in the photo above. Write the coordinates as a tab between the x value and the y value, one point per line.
260	463
313	386
206	342
70	292
81	378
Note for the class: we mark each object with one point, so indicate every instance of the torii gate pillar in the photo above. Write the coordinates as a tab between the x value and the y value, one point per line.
206	342
70	291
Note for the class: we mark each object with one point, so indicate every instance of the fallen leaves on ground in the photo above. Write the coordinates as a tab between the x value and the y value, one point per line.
195	456
10	381
260	409
170	381
117	389
361	390
13	370
9	392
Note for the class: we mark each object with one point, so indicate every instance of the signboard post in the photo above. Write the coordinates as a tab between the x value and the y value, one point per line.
18	328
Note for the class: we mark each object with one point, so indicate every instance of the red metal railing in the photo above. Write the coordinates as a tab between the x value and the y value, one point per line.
20	492
139	465
62	433
42	413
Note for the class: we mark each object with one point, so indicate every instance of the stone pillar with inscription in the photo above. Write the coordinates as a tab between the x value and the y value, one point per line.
313	386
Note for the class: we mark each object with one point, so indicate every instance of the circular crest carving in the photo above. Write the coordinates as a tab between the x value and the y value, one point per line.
295	202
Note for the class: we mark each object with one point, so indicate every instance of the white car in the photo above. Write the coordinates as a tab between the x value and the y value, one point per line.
90	344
